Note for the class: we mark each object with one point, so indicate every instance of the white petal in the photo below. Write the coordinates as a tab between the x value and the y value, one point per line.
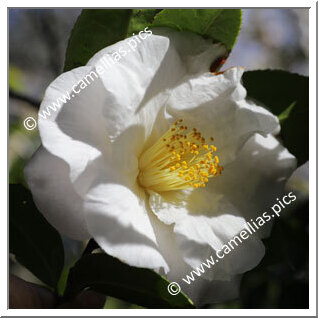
203	224
256	178
155	66
114	99
196	53
216	106
54	195
75	132
119	222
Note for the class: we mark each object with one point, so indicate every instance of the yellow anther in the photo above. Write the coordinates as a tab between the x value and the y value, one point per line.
197	167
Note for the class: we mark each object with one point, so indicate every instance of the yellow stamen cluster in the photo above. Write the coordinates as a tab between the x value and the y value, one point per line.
180	159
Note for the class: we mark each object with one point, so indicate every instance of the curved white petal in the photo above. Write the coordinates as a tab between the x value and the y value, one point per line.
154	67
76	131
216	106
256	178
53	194
114	98
203	224
202	290
118	220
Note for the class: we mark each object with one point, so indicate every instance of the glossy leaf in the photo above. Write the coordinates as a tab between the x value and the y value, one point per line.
33	241
287	96
140	19
111	277
221	25
94	30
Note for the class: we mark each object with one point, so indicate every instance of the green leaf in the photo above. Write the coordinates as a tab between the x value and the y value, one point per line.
140	19
94	30
285	114
286	95
33	241
111	277
221	25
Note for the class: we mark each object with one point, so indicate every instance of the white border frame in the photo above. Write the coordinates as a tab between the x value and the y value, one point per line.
160	312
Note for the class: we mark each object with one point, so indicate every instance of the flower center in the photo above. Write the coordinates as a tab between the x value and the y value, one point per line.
180	159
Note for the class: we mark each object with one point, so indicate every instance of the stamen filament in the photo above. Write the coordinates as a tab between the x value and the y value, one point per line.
180	159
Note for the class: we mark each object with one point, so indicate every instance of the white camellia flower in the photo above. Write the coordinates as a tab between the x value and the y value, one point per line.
161	161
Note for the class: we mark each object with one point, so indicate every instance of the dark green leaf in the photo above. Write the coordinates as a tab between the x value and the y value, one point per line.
94	30
221	25
33	241
287	96
281	280
111	277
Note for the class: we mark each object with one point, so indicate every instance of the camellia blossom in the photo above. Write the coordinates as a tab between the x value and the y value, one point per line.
161	161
